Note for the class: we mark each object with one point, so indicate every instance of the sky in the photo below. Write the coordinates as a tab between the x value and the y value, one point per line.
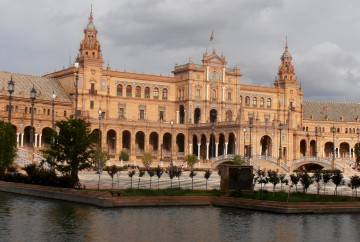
151	36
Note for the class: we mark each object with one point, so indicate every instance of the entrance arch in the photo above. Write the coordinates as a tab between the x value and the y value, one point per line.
344	150
266	145
111	142
126	141
139	143
328	149
303	147
231	144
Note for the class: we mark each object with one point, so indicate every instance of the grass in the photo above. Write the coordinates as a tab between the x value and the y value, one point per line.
168	192
282	196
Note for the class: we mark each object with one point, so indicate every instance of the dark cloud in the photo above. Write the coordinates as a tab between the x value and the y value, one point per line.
150	36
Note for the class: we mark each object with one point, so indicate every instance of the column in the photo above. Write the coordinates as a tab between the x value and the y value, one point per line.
223	94
177	116
190	149
17	139
22	140
349	156
185	121
35	141
40	136
207	73
226	148
216	149
236	149
207	151
223	74
199	146
207	92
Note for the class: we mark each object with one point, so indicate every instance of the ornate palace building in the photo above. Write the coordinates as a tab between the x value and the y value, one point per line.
203	109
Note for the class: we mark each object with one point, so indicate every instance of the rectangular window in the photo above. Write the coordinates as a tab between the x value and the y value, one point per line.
121	113
197	93
161	115
142	114
91	104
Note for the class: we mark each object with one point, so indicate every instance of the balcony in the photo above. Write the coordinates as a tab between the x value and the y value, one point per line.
92	92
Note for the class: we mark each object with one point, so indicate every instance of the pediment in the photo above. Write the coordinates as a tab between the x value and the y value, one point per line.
214	59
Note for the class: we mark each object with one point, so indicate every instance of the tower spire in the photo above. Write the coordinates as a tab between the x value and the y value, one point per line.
91	17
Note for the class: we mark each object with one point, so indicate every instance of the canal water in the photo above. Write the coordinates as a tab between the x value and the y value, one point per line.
24	218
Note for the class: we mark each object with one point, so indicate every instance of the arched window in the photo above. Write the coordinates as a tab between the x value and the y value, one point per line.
268	103
138	92
119	89
247	101
147	92
240	100
156	93
346	131
254	102
44	111
262	102
129	91
164	94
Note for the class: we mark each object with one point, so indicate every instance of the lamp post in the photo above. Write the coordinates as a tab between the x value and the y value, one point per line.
357	147
280	148
76	65
171	144
53	96
213	139
244	140
316	143
99	171
32	97
250	145
11	88
333	129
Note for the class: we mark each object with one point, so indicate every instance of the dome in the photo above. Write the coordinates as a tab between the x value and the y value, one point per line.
286	54
90	25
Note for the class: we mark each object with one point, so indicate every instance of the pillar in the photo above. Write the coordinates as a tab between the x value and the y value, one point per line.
17	139
40	143
199	148
22	139
226	147
207	151
35	141
190	149
177	117
216	149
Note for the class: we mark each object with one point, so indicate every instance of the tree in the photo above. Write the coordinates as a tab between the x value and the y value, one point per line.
283	180
171	171
72	149
131	173
354	184
273	179
326	178
207	175
124	156
8	146
238	160
306	180
295	178
337	178
317	178
191	160
151	173
147	159
159	171
112	170
141	174
178	173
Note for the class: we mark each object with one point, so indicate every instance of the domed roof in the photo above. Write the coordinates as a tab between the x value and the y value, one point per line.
90	25
286	54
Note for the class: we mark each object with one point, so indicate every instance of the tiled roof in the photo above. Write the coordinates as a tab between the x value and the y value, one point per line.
332	111
44	86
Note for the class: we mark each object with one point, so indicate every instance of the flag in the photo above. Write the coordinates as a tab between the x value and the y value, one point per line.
325	109
212	36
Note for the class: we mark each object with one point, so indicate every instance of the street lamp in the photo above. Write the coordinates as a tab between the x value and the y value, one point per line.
357	147
11	88
32	97
213	139
333	130
244	140
171	143
316	143
76	65
250	127
53	96
99	171
280	148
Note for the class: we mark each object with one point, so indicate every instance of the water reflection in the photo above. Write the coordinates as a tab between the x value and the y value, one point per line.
25	218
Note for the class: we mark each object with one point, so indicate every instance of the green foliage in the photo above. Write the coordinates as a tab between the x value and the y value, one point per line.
191	175
112	170
326	177
338	179
124	156
151	173
207	175
238	160
191	160
159	171
170	192
72	148
354	184
99	159
7	146
273	177
295	178
317	176
306	180
147	159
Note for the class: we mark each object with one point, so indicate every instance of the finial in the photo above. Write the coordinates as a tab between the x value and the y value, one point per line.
91	17
286	44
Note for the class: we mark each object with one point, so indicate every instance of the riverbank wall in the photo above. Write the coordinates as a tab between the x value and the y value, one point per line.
105	200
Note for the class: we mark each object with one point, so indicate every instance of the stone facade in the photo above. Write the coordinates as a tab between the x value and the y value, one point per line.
203	109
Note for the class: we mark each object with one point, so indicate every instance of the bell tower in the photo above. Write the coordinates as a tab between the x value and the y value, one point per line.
286	72
90	49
